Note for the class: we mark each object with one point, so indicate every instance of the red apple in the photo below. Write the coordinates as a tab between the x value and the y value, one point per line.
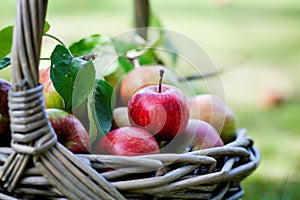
69	130
213	110
5	133
272	99
51	97
128	141
197	135
162	112
141	77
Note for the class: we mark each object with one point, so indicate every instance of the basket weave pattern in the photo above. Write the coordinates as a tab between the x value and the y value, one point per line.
37	166
204	174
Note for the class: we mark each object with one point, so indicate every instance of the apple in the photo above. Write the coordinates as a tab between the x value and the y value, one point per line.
69	130
141	77
162	110
5	132
120	117
51	97
272	99
128	141
197	135
214	110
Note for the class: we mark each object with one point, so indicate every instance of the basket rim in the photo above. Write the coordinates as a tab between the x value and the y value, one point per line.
167	184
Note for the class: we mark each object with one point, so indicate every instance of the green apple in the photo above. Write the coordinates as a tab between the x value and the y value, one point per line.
51	97
120	117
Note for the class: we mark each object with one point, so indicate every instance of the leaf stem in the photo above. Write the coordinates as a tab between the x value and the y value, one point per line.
45	58
55	38
211	74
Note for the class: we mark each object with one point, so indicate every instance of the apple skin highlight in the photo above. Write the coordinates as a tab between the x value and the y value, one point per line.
163	114
128	141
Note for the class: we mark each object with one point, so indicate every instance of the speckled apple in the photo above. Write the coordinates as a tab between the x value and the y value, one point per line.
215	111
51	97
197	135
162	113
141	77
69	130
128	141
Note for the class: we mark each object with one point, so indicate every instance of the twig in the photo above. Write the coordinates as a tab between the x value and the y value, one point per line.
211	74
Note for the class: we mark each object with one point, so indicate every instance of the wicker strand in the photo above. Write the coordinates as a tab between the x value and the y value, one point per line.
6	197
187	186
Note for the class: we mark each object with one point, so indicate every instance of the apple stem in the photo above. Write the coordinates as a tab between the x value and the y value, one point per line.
136	63
161	74
133	57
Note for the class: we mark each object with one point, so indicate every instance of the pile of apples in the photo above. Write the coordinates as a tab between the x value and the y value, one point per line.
155	116
158	117
69	129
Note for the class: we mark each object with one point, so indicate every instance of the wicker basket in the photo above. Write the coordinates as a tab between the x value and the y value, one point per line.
36	166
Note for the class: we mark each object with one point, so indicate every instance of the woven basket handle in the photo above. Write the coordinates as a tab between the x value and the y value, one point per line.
27	38
33	137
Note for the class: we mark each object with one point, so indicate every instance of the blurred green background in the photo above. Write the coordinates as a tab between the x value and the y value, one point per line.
259	39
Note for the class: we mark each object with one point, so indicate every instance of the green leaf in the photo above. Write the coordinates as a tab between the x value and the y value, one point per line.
125	64
46	27
87	45
84	82
122	47
5	41
73	78
100	110
171	49
106	61
4	62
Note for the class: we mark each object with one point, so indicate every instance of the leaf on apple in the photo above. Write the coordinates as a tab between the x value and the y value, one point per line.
165	41
73	78
86	46
106	60
5	41
122	47
100	110
4	62
125	64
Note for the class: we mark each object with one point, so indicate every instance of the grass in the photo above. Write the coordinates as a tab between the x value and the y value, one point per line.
260	37
276	133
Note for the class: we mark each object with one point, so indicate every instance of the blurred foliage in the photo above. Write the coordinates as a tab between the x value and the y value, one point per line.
266	33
